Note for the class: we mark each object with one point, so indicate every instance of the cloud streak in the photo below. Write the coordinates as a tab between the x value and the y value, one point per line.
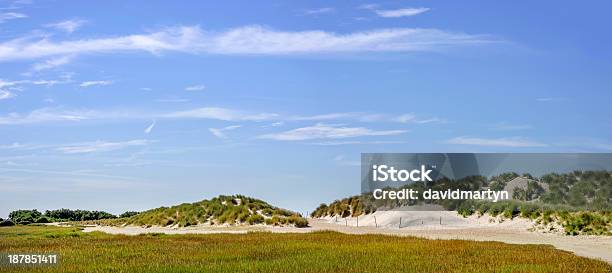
102	146
246	40
498	142
68	26
59	114
95	83
318	11
396	13
52	63
6	16
220	132
150	128
44	115
6	95
412	118
221	114
198	87
323	131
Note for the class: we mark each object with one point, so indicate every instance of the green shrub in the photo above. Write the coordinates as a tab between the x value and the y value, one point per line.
298	221
24	216
6	223
592	223
128	214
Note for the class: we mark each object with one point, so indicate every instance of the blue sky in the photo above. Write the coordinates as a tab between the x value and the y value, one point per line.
128	106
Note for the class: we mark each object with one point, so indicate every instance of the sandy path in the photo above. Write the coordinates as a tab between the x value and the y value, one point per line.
420	224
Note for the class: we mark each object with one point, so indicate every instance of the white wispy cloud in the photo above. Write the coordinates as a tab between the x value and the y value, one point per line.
357	142
5	16
330	116
247	40
26	146
220	132
368	6
150	127
8	84
95	83
61	114
44	115
319	11
52	63
221	114
102	146
500	142
323	131
6	95
46	82
368	117
68	26
412	118
19	85
198	87
395	13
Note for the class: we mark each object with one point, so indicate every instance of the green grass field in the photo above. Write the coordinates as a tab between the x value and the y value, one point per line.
269	252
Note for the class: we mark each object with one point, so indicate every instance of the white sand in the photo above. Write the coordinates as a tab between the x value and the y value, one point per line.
424	224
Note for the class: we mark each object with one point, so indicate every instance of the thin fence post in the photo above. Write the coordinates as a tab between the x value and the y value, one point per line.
375	223
346	222
400	224
440	220
357	221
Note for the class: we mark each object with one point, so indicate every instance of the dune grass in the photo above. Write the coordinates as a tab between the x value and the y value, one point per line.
271	252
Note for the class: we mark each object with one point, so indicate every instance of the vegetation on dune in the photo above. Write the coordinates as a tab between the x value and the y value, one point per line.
274	252
592	223
347	207
579	202
232	210
547	217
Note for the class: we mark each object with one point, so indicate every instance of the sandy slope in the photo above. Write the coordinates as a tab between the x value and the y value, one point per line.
416	223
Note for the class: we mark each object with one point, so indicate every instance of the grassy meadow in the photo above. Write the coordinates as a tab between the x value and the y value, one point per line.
271	252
